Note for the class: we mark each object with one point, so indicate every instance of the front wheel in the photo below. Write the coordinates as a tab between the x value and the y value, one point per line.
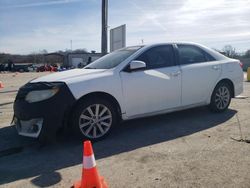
221	97
93	119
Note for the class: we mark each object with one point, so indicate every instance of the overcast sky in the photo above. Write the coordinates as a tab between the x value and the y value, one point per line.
32	25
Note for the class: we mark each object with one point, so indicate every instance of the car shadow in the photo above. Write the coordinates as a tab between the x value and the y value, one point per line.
43	162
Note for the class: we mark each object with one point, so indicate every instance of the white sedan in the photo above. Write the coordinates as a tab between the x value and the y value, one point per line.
130	83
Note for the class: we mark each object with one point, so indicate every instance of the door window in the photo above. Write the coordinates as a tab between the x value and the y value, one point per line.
157	57
189	54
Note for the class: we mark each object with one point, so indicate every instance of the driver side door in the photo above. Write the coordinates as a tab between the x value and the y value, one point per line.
155	88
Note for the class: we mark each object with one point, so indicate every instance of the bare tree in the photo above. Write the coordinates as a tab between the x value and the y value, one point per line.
247	54
44	51
229	51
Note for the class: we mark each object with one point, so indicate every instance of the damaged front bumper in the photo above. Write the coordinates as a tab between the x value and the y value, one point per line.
43	117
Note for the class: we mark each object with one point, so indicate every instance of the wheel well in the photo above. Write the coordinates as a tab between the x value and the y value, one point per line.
230	83
102	95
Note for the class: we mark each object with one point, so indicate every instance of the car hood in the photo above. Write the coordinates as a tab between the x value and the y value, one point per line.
65	76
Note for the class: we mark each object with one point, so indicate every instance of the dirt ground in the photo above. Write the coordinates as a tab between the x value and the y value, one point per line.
191	148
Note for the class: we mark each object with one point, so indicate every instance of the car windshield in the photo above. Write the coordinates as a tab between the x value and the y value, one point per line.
113	59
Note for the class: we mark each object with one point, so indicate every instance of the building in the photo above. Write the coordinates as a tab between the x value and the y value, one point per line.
74	59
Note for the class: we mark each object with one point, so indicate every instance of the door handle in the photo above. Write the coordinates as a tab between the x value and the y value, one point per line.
176	73
216	67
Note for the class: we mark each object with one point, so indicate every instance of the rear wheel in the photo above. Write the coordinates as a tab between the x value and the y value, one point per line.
94	119
221	97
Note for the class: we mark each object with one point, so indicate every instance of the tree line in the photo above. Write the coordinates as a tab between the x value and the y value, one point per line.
230	51
43	57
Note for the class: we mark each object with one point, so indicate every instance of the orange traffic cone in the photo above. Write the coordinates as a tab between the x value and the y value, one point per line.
1	85
90	175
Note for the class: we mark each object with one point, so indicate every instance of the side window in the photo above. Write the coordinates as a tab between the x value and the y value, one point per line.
189	54
156	57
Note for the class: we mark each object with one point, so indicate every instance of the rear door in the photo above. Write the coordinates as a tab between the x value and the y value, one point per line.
200	72
156	88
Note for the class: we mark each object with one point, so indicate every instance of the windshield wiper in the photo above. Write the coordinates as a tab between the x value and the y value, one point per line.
89	68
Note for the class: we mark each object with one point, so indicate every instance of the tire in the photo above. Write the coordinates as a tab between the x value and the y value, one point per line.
94	118
221	97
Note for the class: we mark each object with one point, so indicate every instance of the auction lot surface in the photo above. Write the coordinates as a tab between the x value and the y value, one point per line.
192	148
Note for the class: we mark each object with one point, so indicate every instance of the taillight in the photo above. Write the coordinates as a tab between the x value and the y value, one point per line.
241	64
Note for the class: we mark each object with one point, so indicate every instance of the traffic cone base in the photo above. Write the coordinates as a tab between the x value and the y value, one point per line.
102	181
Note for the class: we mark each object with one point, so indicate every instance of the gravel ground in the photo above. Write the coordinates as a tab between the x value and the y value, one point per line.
192	148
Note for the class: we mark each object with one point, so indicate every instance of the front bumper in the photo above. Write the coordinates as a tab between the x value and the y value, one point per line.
44	117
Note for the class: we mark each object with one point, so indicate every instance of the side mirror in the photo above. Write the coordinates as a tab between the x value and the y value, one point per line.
135	65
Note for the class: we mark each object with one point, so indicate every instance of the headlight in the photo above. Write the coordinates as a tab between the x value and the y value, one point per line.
40	95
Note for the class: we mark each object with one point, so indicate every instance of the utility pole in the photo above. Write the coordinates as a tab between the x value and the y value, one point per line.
71	45
104	45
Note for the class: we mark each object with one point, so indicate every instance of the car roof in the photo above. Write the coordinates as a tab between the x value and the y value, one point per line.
173	42
214	53
162	43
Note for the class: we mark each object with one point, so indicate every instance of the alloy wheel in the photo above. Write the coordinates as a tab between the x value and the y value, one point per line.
95	121
222	97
